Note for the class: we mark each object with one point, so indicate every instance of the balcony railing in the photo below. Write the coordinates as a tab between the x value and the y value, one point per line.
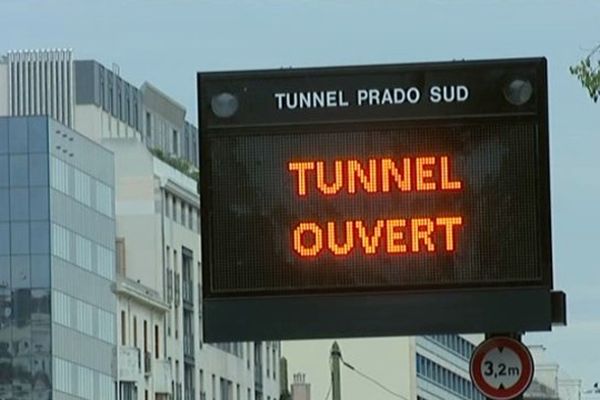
162	376
130	364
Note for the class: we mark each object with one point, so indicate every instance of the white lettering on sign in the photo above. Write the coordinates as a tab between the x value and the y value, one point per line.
448	94
322	99
378	97
370	97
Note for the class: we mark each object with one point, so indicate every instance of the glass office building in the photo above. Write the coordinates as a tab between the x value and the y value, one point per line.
57	263
442	368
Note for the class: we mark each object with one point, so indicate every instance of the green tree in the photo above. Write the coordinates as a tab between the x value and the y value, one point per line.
588	73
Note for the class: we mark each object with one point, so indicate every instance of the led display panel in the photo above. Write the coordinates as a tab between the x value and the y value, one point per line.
364	181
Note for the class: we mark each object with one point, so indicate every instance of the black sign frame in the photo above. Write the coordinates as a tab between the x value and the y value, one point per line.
509	306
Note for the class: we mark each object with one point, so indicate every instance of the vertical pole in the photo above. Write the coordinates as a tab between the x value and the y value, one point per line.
336	355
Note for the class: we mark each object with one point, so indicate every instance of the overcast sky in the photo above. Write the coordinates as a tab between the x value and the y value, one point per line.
166	42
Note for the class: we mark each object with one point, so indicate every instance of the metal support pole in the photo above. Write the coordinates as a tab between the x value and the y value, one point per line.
334	359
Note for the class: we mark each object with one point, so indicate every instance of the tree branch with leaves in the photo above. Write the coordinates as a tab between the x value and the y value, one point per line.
588	73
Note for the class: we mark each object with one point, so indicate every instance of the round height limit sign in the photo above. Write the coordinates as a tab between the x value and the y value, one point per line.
501	368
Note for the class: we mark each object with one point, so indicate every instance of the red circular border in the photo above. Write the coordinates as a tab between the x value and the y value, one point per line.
507	393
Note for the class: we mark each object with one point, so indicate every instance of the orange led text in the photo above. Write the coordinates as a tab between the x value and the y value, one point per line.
373	176
383	236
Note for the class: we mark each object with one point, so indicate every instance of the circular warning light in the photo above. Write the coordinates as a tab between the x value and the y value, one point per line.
518	92
224	105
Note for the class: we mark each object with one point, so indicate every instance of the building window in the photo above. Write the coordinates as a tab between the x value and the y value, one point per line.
198	229
188	334
104	199
61	242
106	325
110	98
195	151
148	127
123	328
101	89
62	308
106	388
175	142
187	275
83	252
174	208
182	210
63	373
454	343
135	115
274	362
248	352
188	379
187	149
169	279
60	176
119	102
156	341
14	88
84	318
106	262
127	105
439	375
145	336
167	206
214	387
168	325
82	187
134	331
268	359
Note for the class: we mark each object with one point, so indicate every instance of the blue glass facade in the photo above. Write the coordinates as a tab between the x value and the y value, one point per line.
442	367
447	379
57	235
25	320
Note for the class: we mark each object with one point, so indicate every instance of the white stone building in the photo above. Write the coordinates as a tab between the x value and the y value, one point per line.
550	382
158	247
